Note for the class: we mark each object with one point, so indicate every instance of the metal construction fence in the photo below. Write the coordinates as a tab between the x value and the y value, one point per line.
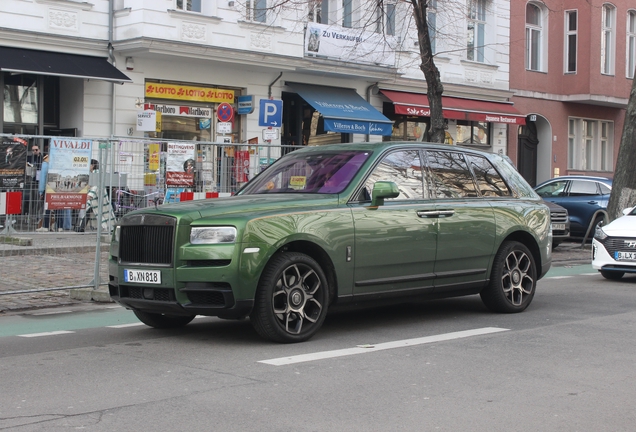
54	191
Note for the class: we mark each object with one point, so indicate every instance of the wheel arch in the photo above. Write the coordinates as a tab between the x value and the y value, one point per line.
528	241
316	252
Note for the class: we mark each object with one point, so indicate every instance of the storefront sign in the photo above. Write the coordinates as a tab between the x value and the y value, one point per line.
147	121
179	110
459	115
189	93
348	44
67	179
358	127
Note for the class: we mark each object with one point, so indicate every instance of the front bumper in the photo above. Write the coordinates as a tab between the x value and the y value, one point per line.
603	260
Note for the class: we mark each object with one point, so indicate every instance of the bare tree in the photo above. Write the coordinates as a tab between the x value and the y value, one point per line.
624	184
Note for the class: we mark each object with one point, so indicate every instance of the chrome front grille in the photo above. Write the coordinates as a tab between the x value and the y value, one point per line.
558	216
147	239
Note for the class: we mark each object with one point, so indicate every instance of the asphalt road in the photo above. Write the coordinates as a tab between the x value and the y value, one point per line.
566	363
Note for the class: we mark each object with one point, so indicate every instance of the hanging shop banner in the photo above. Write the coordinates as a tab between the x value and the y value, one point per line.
180	165
348	44
13	158
67	178
189	93
147	121
241	165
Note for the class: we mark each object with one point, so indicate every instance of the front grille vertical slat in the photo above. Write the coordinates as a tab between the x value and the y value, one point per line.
147	243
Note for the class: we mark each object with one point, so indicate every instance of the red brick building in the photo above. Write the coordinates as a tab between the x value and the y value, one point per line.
572	64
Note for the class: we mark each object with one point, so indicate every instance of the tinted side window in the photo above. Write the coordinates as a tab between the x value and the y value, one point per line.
554	189
402	167
583	187
450	176
489	182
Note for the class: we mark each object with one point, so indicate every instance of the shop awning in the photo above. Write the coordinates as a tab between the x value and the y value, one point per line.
344	110
18	60
415	104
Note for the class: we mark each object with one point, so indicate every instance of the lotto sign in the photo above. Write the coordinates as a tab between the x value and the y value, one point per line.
225	112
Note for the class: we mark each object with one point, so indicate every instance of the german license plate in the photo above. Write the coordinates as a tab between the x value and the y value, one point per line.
625	256
142	276
558	227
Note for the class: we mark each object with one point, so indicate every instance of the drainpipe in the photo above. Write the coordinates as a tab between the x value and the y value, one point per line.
368	94
111	56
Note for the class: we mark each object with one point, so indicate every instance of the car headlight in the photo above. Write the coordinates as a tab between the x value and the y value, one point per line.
599	234
117	233
213	235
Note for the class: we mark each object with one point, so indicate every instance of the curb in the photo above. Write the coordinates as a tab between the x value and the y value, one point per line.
100	295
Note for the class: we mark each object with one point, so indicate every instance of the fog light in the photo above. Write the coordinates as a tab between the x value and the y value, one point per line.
149	293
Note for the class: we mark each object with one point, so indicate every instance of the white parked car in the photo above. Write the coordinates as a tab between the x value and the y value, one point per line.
614	246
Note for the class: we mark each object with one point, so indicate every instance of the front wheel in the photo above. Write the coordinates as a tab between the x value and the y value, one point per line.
612	275
161	321
513	279
291	299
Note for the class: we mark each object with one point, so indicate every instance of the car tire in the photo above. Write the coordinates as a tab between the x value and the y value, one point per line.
291	299
612	275
513	279
161	321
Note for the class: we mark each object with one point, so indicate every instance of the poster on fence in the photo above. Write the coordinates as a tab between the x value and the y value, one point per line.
241	165
180	164
13	157
67	177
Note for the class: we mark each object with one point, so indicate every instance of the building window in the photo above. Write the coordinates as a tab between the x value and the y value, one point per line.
476	30
347	11
607	39
590	144
535	38
189	5
431	19
256	10
319	11
631	43
571	38
385	17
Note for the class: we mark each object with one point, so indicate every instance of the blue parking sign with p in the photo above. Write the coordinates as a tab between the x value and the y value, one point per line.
271	113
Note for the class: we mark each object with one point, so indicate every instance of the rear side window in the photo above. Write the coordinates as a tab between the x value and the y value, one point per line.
449	175
605	189
583	187
489	182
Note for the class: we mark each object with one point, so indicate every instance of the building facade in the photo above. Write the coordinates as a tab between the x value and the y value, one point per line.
571	70
249	72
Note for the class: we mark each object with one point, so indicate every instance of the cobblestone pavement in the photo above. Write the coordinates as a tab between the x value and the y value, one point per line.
67	260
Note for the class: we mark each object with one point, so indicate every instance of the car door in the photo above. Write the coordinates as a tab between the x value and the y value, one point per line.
466	227
395	243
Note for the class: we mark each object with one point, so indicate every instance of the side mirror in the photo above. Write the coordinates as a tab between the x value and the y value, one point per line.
382	190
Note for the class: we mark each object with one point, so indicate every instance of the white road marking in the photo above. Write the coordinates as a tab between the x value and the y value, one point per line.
52	313
364	349
126	325
53	333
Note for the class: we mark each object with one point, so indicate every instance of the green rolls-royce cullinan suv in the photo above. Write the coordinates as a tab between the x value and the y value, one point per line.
330	226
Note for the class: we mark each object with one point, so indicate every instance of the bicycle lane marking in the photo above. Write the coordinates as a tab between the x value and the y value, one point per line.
579	270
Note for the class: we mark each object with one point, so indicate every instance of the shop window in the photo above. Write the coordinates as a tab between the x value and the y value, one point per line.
189	5
476	37
571	40
589	145
608	38
631	44
536	37
472	132
20	99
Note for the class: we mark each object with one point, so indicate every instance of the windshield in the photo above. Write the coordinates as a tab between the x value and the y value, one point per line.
322	173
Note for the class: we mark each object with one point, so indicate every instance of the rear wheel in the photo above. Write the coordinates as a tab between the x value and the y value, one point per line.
161	321
612	275
513	279
291	299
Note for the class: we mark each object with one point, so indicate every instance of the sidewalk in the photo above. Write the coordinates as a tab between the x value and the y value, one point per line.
48	260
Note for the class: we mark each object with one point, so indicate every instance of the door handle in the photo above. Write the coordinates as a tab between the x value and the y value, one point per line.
592	202
428	213
446	213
